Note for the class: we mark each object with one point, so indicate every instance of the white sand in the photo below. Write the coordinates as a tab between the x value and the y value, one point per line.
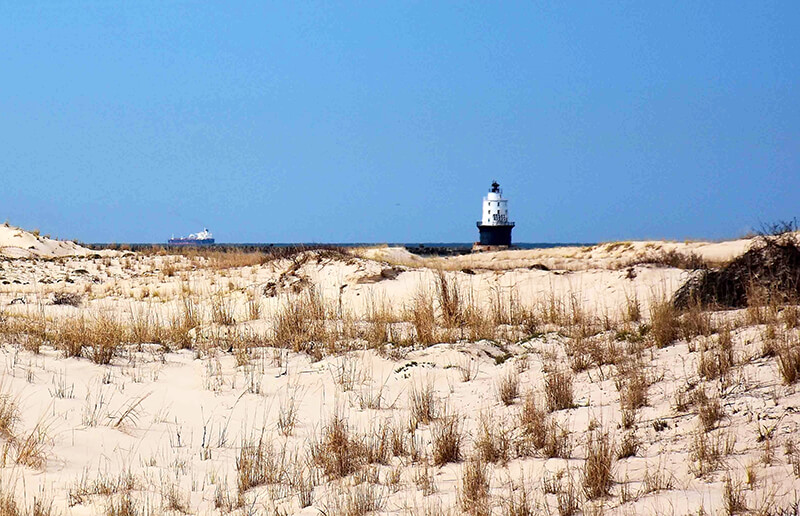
18	243
189	411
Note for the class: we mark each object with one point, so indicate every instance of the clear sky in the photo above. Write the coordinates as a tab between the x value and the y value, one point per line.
387	121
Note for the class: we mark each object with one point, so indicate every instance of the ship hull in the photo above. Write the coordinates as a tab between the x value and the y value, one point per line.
495	235
190	241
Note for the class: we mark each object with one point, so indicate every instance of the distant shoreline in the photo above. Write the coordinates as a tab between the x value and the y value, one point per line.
415	247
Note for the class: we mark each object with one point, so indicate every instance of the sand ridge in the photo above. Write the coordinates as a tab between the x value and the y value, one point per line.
241	419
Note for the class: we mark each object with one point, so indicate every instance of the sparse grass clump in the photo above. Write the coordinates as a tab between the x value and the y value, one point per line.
709	409
301	324
8	503
360	500
9	411
105	338
67	298
695	321
508	387
597	469
338	452
532	423
707	451
222	310
473	493
69	336
255	464
178	331
664	323
449	298
447	436
633	309
733	497
629	446
789	358
632	385
716	357
423	318
493	442
100	337
656	479
122	505
558	390
287	415
422	401
519	501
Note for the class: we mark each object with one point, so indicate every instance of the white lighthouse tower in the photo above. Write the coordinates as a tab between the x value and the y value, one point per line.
494	227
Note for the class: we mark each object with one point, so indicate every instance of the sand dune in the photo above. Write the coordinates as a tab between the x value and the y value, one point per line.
18	243
208	384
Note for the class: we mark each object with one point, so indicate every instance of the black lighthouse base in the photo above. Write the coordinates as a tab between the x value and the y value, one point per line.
495	235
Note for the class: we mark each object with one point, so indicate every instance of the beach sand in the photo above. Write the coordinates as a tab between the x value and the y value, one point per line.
345	383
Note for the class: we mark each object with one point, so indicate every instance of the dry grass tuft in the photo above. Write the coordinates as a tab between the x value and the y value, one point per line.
30	448
519	501
122	505
360	500
567	500
468	369
597	469
709	409
664	323
716	357
423	318
632	384
473	492
558	390
629	446
69	335
531	422
253	305
338	452
657	479
300	324
695	321
449	298
67	298
791	316
493	442
508	387
706	452
633	309
178	331
222	310
105	336
422	402
789	358
9	411
447	436
256	464
733	497
793	456
537	432
287	415
8	503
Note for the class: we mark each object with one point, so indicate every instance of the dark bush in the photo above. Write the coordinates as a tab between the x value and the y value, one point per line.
769	269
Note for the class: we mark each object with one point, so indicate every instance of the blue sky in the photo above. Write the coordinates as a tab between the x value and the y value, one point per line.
387	121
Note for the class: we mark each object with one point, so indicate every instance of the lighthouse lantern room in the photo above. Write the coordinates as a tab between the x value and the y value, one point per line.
494	227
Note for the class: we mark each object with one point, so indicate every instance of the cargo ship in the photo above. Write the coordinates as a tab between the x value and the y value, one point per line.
202	238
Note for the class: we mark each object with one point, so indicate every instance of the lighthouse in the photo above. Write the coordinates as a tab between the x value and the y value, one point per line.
494	227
